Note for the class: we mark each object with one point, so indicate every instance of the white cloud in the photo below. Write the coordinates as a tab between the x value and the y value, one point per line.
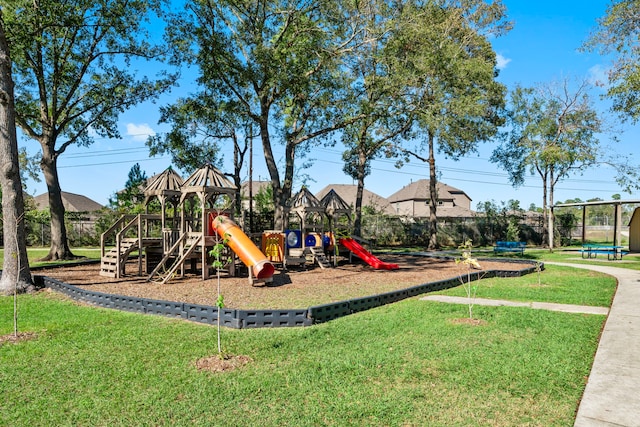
598	76
139	132
502	61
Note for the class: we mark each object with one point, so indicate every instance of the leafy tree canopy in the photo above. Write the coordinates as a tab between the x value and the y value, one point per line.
75	68
617	34
278	63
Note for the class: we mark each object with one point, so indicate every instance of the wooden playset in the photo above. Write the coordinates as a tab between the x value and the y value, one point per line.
191	223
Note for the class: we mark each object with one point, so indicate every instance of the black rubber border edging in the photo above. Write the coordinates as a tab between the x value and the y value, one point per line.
243	319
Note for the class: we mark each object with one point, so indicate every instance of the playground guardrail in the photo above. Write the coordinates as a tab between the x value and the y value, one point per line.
245	319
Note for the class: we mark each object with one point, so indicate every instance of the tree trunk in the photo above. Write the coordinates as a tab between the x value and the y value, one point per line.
433	198
59	249
551	226
357	217
238	160
545	214
287	184
274	174
16	275
282	192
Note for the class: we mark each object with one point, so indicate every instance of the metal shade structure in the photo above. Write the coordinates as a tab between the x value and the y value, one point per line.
617	215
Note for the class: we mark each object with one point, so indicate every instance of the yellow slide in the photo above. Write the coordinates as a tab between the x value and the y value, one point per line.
246	250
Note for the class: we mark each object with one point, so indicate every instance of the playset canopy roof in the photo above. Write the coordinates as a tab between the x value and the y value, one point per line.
207	181
165	184
305	202
334	204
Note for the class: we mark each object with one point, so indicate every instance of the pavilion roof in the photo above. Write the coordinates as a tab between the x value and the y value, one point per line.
334	204
305	201
207	180
167	183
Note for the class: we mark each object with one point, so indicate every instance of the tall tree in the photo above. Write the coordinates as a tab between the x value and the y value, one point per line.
553	132
75	70
16	275
133	192
280	62
616	35
443	53
377	99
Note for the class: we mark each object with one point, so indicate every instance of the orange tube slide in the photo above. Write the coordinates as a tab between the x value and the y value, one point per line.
246	250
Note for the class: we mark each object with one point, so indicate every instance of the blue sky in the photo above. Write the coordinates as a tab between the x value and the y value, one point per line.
541	48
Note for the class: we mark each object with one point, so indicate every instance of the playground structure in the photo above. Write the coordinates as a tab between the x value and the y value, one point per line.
315	240
191	223
188	226
307	242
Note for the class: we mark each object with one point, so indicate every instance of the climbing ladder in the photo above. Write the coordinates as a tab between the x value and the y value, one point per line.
113	262
188	243
320	258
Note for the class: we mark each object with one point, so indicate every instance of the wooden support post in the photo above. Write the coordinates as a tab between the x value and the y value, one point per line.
140	244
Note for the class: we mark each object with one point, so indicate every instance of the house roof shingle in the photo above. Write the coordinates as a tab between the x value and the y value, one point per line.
256	187
419	190
71	202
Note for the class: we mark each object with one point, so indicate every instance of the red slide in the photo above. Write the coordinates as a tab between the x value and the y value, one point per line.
366	256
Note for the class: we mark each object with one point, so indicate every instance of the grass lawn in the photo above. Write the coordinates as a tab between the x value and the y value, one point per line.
34	254
556	284
408	363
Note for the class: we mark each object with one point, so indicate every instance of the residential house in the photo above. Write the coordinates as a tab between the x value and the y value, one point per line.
413	201
81	209
256	187
72	203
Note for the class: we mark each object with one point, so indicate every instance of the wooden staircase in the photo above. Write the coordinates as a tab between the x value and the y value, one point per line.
186	245
113	262
320	258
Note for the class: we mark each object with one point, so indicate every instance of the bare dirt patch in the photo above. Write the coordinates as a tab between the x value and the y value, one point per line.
222	363
469	321
295	288
16	338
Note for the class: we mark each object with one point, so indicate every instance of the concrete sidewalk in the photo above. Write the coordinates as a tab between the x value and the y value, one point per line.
612	395
567	308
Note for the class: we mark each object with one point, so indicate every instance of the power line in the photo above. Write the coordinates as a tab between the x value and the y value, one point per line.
403	171
457	170
102	153
113	163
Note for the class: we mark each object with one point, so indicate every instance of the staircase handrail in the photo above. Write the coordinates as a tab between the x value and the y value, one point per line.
110	230
195	237
118	225
167	256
